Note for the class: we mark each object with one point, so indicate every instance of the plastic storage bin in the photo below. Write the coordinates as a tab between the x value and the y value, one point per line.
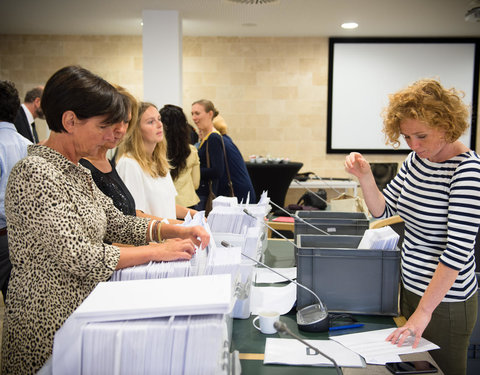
345	278
335	223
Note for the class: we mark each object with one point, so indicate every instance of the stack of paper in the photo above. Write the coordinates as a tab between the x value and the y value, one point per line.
139	303
171	345
251	243
384	238
208	261
233	219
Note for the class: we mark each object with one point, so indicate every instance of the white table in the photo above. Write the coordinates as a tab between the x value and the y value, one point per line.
326	184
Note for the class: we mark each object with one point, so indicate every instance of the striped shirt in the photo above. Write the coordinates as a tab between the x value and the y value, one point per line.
440	204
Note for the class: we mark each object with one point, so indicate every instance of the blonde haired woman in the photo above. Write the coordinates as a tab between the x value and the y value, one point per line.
143	166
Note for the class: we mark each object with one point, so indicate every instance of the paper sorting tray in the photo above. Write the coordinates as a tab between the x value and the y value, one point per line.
345	278
337	223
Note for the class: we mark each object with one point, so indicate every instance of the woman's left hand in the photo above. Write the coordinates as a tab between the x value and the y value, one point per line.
413	327
198	235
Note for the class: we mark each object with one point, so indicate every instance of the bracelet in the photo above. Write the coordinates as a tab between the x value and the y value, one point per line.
159	229
152	224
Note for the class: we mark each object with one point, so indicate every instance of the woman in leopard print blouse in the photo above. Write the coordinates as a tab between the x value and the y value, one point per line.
59	222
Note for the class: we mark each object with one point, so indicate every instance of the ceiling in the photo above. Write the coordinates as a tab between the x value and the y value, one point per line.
386	18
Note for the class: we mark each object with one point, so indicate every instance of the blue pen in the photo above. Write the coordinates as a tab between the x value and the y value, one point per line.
337	328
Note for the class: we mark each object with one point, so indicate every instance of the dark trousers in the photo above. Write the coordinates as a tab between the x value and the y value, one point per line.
5	265
450	328
201	205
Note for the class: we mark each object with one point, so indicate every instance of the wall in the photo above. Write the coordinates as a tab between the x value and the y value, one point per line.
272	92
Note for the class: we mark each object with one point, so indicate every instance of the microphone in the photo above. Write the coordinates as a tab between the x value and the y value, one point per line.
282	327
312	318
299	218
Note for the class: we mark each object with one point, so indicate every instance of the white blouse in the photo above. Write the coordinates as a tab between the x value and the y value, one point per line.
153	195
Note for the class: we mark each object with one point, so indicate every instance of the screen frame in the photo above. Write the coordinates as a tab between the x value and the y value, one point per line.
338	40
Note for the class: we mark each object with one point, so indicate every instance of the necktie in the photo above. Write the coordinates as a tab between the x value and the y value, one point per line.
34	131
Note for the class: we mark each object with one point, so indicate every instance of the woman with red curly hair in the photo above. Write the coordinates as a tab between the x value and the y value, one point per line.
436	193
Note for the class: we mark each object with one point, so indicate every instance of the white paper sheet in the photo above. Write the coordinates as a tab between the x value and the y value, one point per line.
160	297
373	347
293	352
280	299
264	275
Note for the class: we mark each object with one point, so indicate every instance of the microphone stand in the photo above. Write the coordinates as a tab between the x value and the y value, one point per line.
299	218
311	318
269	227
226	244
282	327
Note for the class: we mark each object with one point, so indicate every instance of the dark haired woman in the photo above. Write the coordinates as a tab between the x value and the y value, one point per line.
59	221
183	157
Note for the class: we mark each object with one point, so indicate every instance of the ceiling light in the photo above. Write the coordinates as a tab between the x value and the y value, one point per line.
256	2
349	25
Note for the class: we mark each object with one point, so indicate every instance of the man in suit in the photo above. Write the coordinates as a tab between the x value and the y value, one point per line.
28	112
13	147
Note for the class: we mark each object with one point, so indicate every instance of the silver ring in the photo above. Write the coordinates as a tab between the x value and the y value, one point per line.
411	332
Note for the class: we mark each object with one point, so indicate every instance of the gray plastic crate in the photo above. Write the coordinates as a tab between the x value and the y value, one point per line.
336	223
345	278
317	214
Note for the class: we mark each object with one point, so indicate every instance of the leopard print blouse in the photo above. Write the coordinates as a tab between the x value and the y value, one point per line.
58	225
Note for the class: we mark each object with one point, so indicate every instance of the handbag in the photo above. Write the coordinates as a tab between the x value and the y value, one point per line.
317	200
230	185
211	196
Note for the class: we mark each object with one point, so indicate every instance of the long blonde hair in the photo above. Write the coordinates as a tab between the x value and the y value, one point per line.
132	146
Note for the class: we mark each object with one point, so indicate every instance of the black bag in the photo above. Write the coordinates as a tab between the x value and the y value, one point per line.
310	199
209	202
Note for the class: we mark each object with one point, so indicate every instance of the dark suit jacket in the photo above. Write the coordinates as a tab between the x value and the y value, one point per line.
22	125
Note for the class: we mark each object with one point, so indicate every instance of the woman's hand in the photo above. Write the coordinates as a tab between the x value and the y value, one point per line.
357	165
173	249
169	250
413	327
197	234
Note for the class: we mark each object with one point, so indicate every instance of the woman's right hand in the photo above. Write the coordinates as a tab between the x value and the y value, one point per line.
173	249
357	165
169	250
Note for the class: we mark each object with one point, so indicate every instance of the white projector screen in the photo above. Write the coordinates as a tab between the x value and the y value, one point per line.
364	71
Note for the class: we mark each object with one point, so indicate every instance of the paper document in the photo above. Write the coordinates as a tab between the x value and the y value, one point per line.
160	297
372	346
280	299
379	239
293	352
264	275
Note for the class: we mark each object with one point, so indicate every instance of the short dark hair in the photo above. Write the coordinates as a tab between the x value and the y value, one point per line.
33	94
9	101
76	89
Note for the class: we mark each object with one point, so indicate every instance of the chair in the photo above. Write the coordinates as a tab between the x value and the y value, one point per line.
274	177
395	222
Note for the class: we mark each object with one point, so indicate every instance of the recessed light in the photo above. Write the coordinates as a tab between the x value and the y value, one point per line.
349	25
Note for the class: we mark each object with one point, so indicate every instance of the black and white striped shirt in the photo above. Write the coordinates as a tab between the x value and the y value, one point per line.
440	204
